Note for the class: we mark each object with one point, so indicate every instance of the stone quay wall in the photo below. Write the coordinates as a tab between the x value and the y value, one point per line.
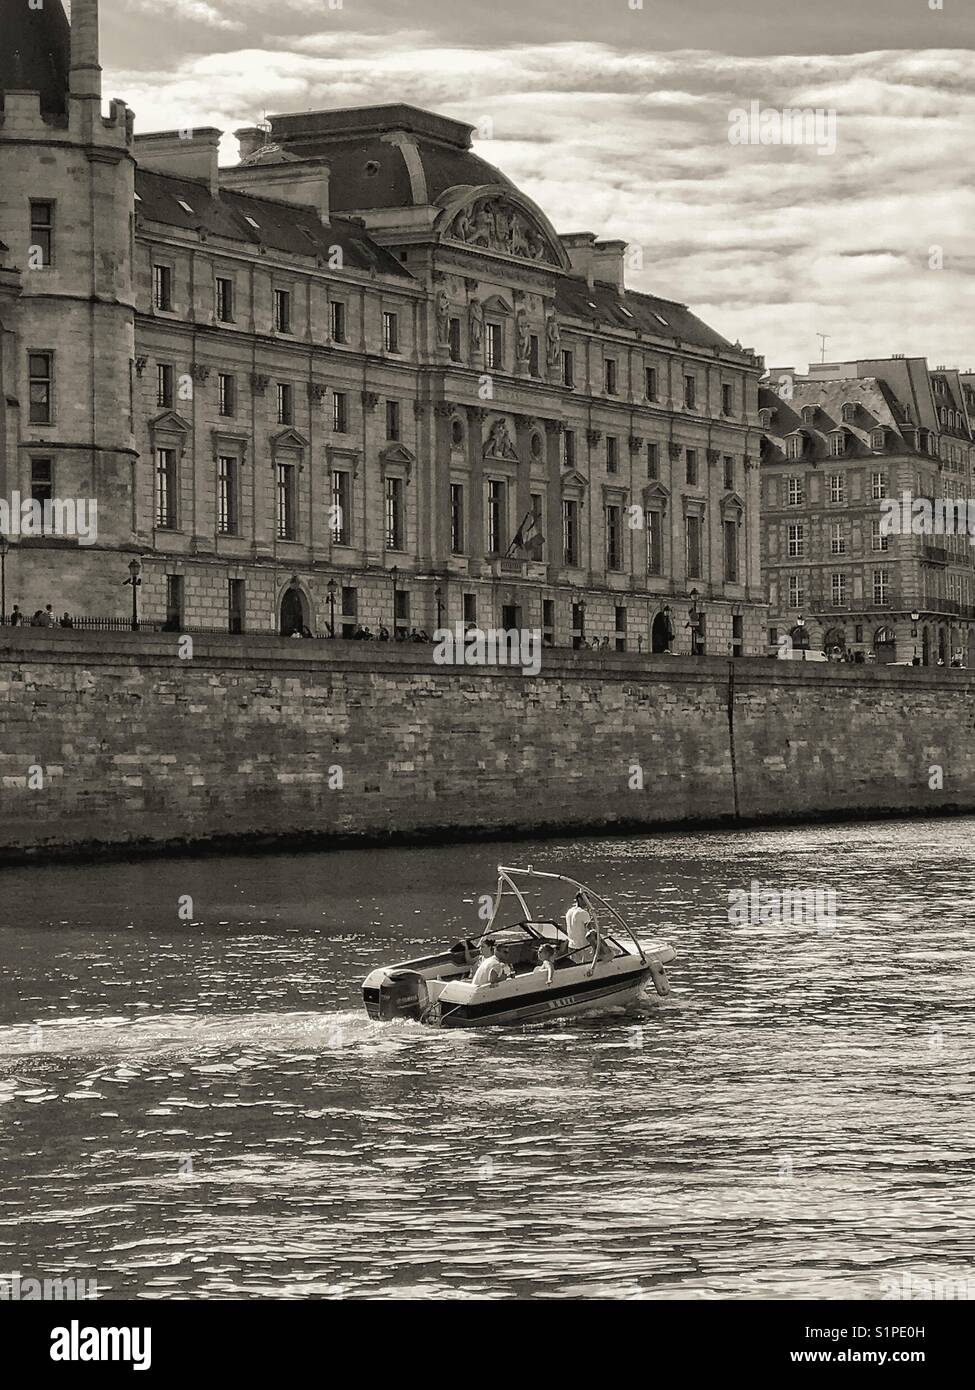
125	743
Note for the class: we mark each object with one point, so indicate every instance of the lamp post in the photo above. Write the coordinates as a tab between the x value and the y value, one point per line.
915	619
695	647
331	587
4	549
802	641
135	579
394	573
438	595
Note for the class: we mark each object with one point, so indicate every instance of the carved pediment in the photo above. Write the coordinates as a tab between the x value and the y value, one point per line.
655	495
731	502
233	442
499	220
288	439
574	481
398	458
169	422
497	305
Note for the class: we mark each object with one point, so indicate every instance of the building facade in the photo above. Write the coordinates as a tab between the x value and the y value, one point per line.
842	443
357	380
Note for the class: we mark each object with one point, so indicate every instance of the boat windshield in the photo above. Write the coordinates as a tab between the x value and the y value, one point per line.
512	885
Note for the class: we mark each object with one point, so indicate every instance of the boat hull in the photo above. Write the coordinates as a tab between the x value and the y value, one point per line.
579	998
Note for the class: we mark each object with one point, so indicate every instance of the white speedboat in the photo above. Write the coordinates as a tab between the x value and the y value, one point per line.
612	969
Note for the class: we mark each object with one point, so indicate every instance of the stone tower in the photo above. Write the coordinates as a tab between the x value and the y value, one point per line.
66	304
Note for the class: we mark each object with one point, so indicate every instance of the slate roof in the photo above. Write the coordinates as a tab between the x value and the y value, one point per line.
877	407
281	226
35	52
663	318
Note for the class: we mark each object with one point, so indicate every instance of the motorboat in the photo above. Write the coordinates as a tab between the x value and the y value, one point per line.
612	969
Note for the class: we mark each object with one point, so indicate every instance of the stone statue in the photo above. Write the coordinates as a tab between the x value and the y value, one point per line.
477	325
443	319
499	443
523	349
553	341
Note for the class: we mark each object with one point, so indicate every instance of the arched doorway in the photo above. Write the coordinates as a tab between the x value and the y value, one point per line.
800	637
662	632
942	646
925	647
884	646
834	644
294	611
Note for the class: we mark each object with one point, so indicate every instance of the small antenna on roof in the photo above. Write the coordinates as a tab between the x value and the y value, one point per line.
823	340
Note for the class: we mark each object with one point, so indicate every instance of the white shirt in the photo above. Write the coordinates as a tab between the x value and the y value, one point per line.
482	975
577	919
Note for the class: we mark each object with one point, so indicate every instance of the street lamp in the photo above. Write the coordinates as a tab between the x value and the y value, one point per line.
915	619
438	595
694	615
394	572
135	579
331	587
4	550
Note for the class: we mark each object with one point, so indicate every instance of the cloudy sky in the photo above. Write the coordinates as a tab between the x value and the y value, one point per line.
614	116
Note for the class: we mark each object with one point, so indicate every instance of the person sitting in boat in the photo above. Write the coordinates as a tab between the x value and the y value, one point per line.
492	967
546	962
577	920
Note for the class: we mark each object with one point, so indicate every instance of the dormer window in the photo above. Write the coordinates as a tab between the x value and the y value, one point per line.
795	446
808	414
765	417
837	443
849	412
878	439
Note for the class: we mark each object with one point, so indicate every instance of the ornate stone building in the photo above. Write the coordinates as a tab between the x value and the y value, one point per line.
838	442
358	379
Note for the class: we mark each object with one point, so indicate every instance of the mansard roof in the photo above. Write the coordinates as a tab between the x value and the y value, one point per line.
634	312
35	53
290	227
878	408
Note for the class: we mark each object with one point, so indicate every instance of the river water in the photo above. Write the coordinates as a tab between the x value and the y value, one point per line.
200	1107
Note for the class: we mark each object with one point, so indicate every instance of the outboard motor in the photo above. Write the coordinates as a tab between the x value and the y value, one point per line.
403	994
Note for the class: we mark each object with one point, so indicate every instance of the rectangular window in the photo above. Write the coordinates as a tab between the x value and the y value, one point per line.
570	533
578	624
453	338
174	601
456	518
350	610
162	287
493	345
41	235
881	586
340	412
341	501
727	400
236	605
837	491
40	371
390	331
797	492
653	460
164	384
337	316
226	394
655	549
569	449
797	594
536	535
620	628
614	538
690	460
496	517
224	297
286	501
286	403
392	419
878	486
650	383
797	542
729	473
731	551
878	541
609	368
42	485
533	354
548	622
612	454
837	541
737	634
690	392
568	368
401	610
837	588
166	489
282	311
395	529
470	608
692	533
227	493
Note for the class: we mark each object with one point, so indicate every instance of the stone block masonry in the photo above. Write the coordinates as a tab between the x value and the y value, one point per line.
114	743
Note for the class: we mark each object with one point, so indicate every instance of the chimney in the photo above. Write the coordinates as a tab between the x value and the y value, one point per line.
283	176
85	78
607	263
193	154
580	249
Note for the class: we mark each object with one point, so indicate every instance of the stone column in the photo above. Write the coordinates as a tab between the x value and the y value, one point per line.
475	508
554	430
440	484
